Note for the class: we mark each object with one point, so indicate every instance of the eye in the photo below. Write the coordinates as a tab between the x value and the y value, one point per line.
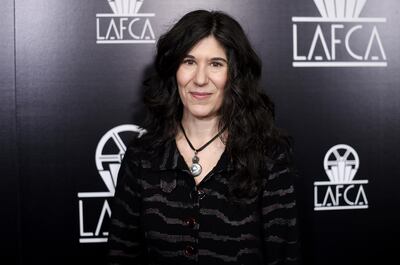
188	61
216	64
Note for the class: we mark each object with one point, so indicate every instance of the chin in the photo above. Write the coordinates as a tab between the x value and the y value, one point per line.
201	111
202	114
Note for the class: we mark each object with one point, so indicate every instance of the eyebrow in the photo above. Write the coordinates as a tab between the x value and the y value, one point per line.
212	59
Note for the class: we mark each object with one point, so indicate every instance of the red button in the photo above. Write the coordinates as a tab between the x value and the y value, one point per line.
190	221
189	251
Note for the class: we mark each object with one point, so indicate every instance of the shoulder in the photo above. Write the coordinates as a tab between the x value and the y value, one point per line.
136	153
141	153
280	166
280	155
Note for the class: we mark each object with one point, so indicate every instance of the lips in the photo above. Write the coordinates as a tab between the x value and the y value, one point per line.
200	95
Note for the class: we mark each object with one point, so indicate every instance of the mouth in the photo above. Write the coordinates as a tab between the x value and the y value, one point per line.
200	95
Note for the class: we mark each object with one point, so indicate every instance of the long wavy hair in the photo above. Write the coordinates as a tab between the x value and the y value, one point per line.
246	111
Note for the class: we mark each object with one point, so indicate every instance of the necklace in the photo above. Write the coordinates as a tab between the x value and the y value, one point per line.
195	168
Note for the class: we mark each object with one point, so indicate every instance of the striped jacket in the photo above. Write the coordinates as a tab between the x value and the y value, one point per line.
160	216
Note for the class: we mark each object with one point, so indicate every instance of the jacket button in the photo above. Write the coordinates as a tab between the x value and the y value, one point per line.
189	251
201	194
190	221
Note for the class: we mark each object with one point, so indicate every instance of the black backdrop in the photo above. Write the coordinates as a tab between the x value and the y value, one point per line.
8	166
62	90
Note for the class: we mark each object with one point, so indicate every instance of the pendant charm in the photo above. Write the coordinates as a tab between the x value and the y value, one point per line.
195	169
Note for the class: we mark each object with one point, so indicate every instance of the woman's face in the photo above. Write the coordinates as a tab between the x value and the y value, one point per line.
201	78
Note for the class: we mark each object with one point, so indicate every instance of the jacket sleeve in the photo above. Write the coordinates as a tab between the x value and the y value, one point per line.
126	240
279	215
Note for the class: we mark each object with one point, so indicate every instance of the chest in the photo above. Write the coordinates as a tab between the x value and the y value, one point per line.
189	211
207	159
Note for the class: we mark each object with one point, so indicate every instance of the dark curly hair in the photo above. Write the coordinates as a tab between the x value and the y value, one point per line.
246	111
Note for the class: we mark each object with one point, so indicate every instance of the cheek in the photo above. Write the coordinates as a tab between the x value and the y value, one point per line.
182	80
183	76
220	84
220	81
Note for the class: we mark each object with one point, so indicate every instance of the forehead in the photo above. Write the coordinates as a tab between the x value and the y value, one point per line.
208	47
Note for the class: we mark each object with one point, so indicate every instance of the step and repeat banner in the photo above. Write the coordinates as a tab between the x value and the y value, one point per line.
71	85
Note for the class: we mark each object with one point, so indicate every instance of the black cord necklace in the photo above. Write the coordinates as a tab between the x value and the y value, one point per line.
195	168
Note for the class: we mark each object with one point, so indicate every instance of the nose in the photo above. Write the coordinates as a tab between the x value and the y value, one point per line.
201	77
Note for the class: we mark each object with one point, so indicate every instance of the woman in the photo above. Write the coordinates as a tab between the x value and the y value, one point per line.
210	182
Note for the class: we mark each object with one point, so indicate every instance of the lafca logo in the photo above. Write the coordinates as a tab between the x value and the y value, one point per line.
339	38
94	209
341	192
125	24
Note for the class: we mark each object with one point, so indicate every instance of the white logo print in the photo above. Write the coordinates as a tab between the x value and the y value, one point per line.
341	168
113	161
109	154
341	163
340	37
125	7
125	24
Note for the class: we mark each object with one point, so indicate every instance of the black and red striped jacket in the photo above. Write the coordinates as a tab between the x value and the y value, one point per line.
160	216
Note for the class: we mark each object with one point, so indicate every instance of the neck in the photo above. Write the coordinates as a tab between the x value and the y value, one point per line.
200	131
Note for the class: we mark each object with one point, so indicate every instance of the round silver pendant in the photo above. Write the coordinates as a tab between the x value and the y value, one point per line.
195	169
